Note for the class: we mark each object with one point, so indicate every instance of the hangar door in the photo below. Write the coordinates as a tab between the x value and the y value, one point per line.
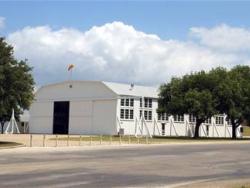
61	117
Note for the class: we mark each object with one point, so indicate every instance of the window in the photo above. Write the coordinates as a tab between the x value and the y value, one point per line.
127	102
147	108
208	121
131	102
192	118
147	102
127	109
126	113
162	117
147	114
219	120
159	116
131	114
122	102
122	113
150	103
178	118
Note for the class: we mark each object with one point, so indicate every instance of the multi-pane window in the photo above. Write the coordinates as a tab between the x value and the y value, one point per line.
146	107
208	121
126	113
192	118
178	118
162	117
147	114
127	109
131	114
219	120
127	102
147	102
122	114
131	102
122	102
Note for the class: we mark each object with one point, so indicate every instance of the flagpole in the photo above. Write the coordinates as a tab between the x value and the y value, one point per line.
70	70
70	75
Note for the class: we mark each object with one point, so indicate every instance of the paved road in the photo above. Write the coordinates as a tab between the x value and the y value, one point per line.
133	166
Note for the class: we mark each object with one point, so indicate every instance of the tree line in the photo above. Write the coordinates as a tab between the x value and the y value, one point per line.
205	94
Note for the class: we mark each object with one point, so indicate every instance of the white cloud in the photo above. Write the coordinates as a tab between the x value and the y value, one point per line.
223	37
118	52
2	22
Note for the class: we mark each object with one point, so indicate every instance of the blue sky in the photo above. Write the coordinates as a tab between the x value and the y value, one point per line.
126	41
166	19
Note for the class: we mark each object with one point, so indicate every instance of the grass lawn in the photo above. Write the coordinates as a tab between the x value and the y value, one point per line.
246	131
243	186
8	144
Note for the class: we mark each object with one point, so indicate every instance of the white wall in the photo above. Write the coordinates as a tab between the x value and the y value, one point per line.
80	117
92	108
41	117
104	117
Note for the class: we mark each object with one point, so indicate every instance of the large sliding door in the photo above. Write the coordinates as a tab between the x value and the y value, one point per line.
61	117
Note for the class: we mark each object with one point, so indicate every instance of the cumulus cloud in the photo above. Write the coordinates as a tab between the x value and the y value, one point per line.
2	22
223	37
118	52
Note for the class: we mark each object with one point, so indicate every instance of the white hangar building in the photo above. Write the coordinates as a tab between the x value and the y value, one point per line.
97	107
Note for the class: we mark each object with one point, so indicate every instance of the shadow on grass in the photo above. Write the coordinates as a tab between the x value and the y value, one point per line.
8	144
201	138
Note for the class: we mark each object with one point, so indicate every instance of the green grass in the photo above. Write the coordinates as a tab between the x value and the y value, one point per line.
8	144
246	131
243	186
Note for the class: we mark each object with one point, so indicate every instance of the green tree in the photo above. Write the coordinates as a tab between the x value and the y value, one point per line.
16	83
191	94
233	99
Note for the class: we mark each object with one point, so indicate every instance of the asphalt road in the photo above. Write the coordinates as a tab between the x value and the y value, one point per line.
133	166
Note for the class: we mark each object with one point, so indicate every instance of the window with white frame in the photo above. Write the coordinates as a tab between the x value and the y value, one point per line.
192	118
147	114
146	107
208	121
178	118
162	116
127	109
147	103
219	120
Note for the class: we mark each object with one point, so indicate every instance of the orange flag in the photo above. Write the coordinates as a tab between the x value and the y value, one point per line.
71	66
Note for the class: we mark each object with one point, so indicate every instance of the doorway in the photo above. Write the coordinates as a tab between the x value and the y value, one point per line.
163	129
61	117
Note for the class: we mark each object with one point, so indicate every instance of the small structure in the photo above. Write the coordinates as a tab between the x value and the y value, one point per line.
12	126
97	107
